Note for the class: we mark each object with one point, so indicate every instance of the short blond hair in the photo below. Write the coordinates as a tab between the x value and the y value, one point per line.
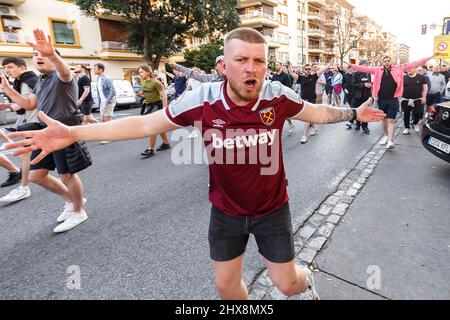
246	34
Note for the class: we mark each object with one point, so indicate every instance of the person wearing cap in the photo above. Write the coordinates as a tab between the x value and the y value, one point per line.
361	84
203	78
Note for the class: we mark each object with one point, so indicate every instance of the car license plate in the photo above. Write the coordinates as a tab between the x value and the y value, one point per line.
439	145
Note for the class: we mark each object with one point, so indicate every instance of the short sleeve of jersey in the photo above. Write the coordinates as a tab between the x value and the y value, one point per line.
187	109
293	104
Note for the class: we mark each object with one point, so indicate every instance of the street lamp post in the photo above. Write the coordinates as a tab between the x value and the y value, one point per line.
302	11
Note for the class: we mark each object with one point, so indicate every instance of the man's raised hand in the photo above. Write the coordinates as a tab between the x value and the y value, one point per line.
43	44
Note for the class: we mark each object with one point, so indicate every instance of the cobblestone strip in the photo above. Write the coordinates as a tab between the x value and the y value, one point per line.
318	228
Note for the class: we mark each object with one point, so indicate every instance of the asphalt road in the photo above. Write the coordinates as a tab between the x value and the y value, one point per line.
146	236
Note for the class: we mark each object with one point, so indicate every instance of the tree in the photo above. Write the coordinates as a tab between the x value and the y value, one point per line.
159	28
349	31
205	56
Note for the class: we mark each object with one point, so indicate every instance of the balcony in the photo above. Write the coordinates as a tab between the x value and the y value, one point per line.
272	41
114	46
316	49
317	3
255	3
316	33
13	2
11	38
332	10
329	23
257	19
331	36
316	16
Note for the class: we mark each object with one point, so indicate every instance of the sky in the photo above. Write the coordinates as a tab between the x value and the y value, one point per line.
404	19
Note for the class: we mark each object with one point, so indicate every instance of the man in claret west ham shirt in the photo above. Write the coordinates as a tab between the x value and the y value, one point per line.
241	120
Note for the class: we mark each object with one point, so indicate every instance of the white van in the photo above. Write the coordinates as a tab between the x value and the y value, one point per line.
125	95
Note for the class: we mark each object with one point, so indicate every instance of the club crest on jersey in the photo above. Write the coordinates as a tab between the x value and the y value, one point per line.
268	116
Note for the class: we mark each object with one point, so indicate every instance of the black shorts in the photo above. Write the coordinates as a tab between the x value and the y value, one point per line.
433	99
86	107
389	106
228	236
151	107
54	160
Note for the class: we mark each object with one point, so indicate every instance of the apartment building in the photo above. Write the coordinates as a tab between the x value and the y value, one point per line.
79	39
404	53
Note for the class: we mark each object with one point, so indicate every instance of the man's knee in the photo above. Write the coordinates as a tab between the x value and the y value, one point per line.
227	287
38	176
66	178
288	288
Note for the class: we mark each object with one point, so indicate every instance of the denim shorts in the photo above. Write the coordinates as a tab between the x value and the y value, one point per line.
389	106
228	236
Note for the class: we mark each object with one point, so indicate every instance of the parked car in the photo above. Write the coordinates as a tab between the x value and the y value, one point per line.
125	95
436	131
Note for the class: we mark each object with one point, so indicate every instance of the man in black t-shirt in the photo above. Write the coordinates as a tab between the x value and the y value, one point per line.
307	82
415	89
85	100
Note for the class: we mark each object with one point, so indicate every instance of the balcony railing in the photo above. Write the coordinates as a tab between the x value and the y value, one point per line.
316	33
318	3
257	14
11	37
114	45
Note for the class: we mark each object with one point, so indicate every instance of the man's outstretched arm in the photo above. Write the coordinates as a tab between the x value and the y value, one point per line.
323	114
58	136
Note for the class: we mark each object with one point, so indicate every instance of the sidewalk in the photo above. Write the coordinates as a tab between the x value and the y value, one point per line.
400	225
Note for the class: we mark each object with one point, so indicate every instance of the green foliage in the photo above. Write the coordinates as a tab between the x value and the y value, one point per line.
160	28
204	57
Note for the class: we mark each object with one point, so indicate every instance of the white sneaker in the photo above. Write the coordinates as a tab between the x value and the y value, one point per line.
311	292
416	128
313	131
68	210
105	142
390	145
17	194
72	221
406	131
384	140
291	127
304	139
193	135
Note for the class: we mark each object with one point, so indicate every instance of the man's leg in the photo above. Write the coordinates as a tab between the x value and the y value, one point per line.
406	113
391	129
385	127
8	164
75	188
287	277
229	282
42	178
164	138
25	169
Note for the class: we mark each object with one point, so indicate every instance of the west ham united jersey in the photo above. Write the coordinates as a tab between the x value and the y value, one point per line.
243	144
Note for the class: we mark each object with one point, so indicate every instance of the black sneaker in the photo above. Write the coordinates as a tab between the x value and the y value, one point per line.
14	177
148	153
358	128
366	130
163	147
11	129
349	125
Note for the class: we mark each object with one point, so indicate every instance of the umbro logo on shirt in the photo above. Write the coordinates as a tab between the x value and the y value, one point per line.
219	123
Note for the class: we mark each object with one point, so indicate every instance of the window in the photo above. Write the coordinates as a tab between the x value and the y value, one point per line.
300	24
284	2
283	19
284	57
64	33
283	38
